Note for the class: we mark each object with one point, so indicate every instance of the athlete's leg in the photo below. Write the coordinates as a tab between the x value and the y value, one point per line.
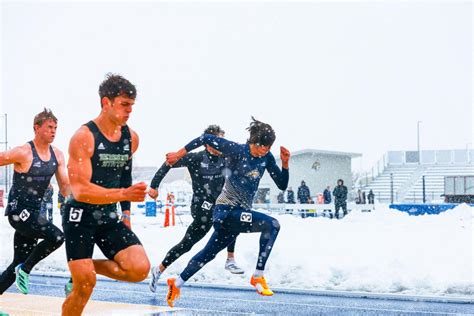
84	278
52	237
248	221
127	257
130	264
29	228
230	264
22	247
218	241
195	232
231	249
199	227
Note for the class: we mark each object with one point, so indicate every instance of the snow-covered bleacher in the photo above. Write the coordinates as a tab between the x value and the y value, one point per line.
408	176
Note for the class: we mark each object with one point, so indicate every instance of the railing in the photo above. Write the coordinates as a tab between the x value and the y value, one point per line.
309	209
428	157
367	177
284	208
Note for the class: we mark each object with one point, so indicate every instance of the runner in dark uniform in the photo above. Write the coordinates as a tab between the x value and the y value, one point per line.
233	212
208	170
34	165
100	171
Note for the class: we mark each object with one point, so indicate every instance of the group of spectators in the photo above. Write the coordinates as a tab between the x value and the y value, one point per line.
361	198
339	193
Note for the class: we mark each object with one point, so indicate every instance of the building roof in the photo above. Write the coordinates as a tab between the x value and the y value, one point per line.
324	152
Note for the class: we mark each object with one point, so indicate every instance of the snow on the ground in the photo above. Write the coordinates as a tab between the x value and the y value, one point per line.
384	251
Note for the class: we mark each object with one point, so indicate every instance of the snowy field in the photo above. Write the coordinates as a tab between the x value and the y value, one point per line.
384	251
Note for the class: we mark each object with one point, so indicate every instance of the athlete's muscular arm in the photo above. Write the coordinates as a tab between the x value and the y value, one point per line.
61	174
126	182
280	177
20	156
163	171
226	147
81	149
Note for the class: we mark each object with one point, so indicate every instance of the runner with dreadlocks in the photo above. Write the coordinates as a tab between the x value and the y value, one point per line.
233	212
208	170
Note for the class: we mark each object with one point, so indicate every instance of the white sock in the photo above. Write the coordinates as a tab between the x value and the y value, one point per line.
230	259
179	282
258	273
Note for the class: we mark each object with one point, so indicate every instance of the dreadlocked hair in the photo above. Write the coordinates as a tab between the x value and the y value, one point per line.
261	134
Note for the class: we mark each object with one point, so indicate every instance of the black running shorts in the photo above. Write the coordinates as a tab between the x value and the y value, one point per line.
82	233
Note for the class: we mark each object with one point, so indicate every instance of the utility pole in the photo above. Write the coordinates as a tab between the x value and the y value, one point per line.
5	142
418	140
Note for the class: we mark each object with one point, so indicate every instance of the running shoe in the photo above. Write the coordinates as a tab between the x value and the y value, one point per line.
22	279
260	284
232	267
155	276
173	292
68	287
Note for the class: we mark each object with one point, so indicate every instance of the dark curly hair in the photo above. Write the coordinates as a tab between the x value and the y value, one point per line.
214	129
116	85
261	134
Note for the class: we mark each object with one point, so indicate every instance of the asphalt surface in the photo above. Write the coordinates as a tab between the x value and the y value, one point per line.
197	300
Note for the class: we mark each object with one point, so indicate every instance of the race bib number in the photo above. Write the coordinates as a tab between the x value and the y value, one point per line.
206	205
24	215
75	215
246	217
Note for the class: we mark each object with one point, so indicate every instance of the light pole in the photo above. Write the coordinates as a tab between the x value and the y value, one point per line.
469	158
418	140
5	142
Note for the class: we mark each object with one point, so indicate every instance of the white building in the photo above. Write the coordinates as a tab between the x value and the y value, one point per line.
318	168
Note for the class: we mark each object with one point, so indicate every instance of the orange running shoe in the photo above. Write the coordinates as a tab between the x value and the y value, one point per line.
173	292
260	284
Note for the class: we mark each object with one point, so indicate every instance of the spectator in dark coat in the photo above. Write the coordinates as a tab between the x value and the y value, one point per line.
303	193
340	197
327	195
281	197
371	197
290	196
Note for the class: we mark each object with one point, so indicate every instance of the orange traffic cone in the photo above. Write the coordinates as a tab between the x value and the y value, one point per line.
167	217
172	215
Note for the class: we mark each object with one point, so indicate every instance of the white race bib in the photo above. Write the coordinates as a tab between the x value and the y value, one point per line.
246	217
24	215
75	215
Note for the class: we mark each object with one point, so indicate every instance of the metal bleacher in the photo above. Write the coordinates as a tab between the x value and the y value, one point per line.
408	176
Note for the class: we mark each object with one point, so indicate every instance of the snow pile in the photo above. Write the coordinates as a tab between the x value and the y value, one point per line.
383	251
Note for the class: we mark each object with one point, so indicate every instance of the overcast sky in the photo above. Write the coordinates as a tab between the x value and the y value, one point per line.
343	76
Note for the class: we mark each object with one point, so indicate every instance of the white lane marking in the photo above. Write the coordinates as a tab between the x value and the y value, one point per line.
30	311
277	302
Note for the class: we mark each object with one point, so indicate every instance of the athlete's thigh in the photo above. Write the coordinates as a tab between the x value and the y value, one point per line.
219	240
79	241
247	221
44	229
201	224
114	237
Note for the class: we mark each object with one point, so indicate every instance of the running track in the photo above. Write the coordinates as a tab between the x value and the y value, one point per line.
217	300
